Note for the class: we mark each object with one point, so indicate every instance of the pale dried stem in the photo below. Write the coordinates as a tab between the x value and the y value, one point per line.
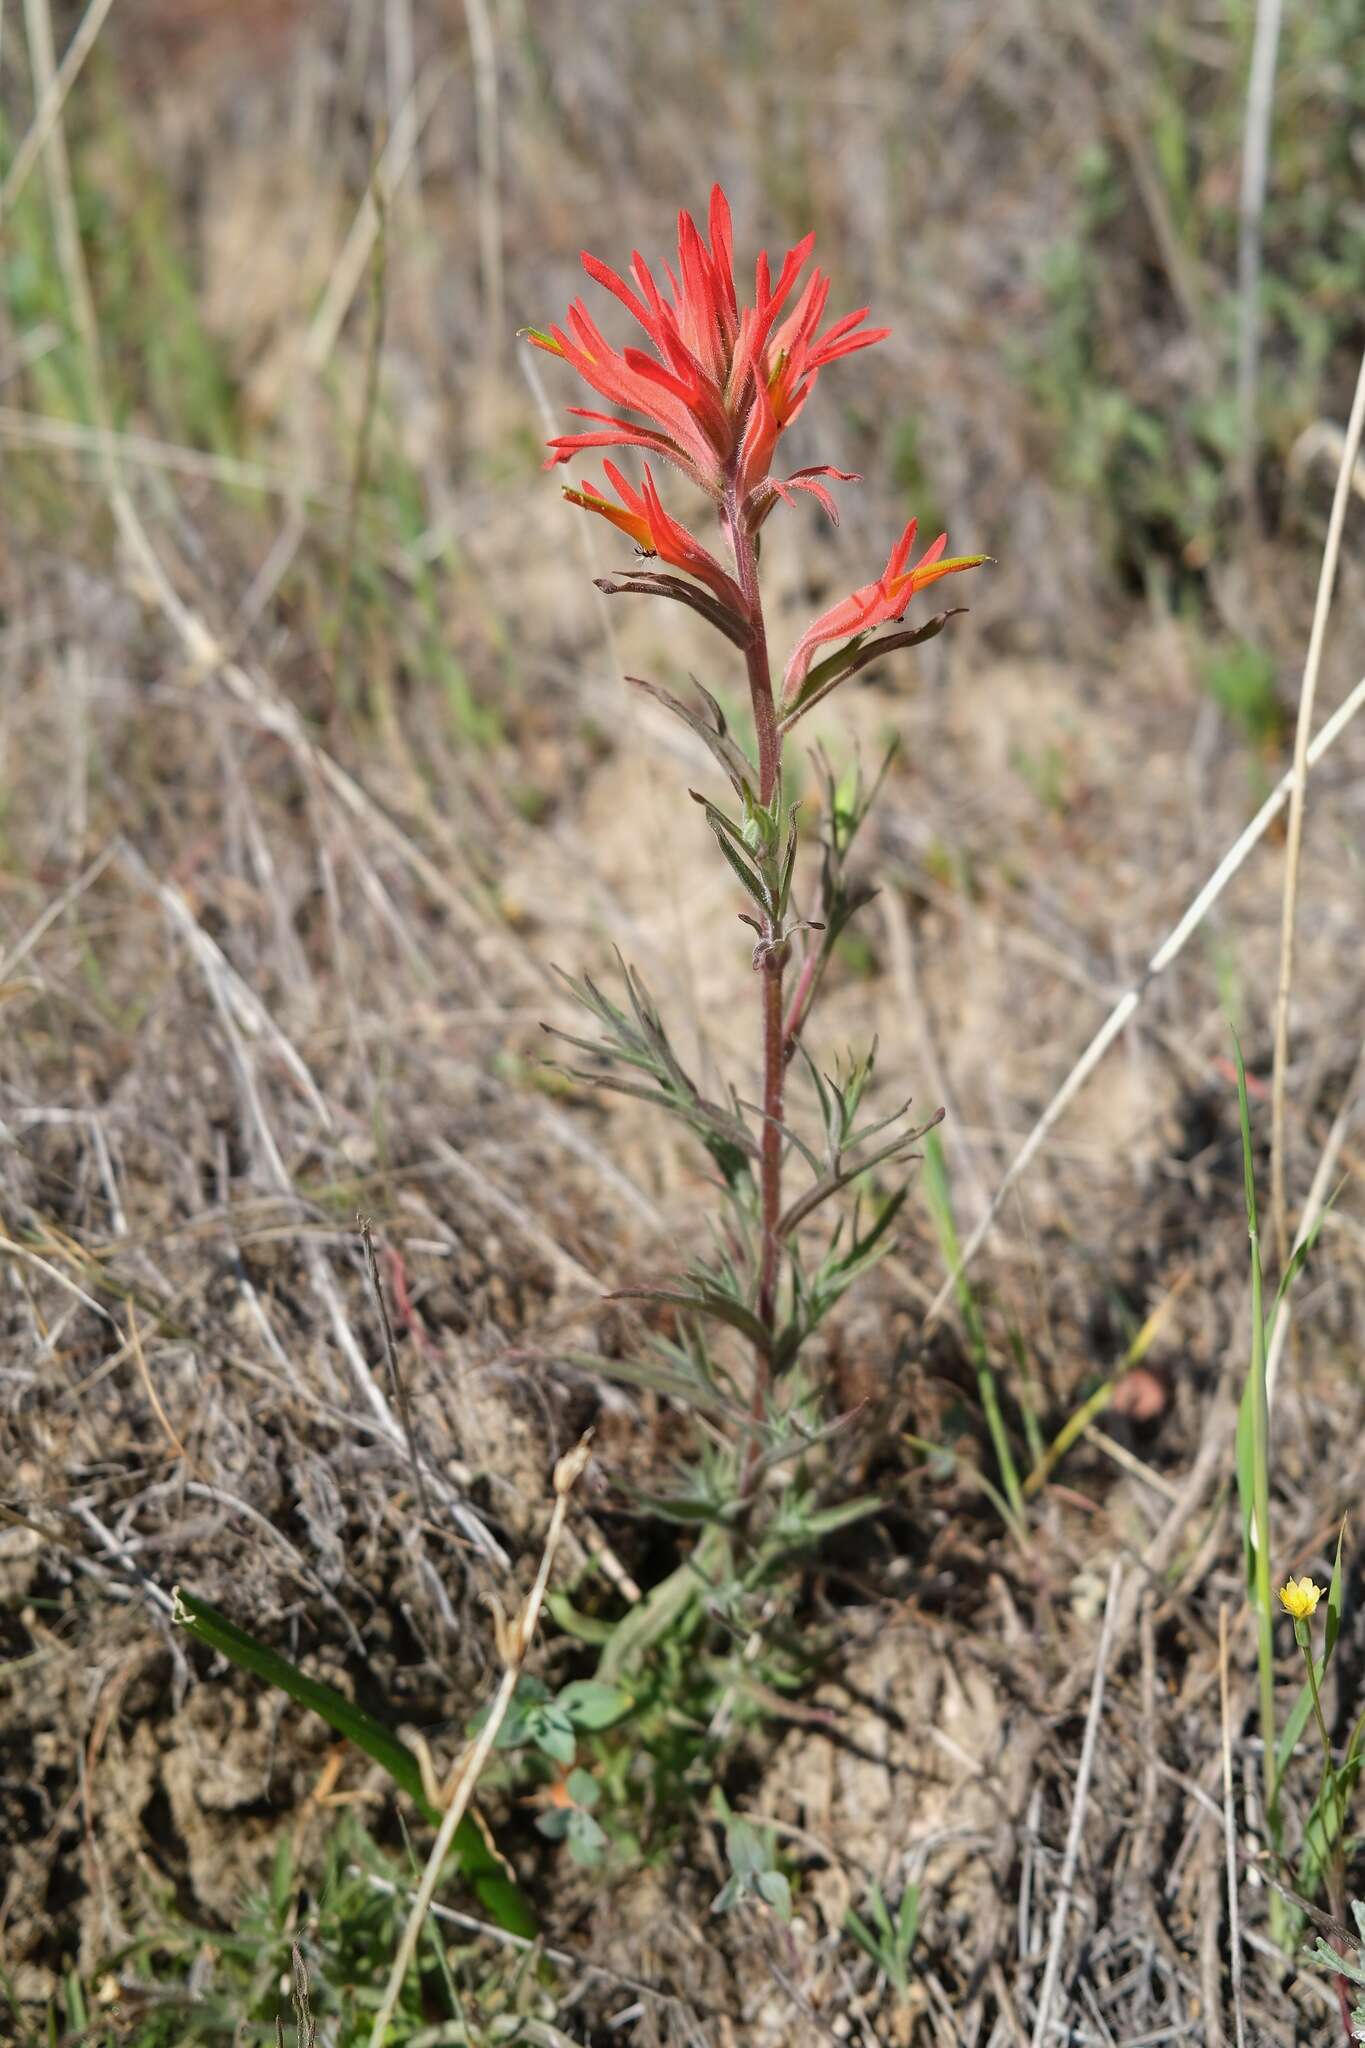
1071	1855
1327	576
1230	1833
1255	159
393	166
484	50
51	100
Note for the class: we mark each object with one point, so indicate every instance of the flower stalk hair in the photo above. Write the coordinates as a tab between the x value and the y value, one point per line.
708	387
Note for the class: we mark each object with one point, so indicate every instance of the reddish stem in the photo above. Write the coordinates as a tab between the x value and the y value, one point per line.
771	963
756	656
770	1158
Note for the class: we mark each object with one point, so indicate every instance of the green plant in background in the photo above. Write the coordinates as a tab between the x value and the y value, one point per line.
170	367
1322	1851
1240	679
317	1937
1146	435
1345	1965
888	1938
755	1878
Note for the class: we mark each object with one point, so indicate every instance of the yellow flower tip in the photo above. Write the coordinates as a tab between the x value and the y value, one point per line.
1300	1598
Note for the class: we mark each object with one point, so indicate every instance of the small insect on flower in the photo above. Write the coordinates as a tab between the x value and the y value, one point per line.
1300	1598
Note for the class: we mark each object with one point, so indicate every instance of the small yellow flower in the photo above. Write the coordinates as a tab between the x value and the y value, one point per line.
1300	1598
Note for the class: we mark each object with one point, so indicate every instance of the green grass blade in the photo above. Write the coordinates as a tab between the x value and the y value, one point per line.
379	1743
1028	1395
476	1859
1325	1827
1253	1467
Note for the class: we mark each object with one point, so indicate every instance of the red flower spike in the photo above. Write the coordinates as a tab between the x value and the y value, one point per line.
876	604
720	377
642	516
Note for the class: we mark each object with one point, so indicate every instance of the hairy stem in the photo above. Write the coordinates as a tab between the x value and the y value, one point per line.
770	960
1336	1876
756	660
774	1069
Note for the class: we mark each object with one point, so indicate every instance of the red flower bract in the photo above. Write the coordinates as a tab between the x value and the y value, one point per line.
723	382
642	516
876	604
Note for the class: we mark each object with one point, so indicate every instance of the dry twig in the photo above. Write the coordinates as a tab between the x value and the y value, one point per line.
1067	1880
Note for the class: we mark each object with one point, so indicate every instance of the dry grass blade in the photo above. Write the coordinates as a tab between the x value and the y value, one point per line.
1255	159
1230	1832
1067	1879
9	1249
1319	1193
395	1374
236	1002
51	101
355	253
57	909
36	430
1327	576
483	45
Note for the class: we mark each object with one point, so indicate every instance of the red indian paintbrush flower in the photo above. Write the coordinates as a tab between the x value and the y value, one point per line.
713	395
724	381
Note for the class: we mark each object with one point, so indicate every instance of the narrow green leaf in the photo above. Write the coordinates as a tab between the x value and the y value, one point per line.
1253	1473
750	880
775	1891
585	1627
688	1510
826	1520
863	1935
678	1386
717	1306
477	1860
211	1627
